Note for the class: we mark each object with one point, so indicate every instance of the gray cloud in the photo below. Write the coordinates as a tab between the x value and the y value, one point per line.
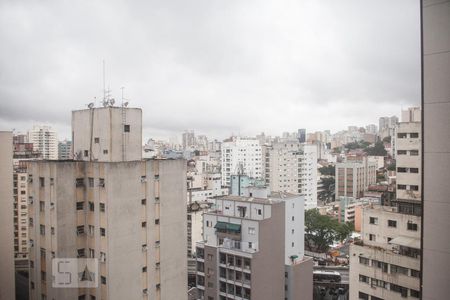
218	67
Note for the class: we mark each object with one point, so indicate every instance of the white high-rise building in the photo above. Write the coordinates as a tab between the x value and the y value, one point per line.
241	155
45	140
292	167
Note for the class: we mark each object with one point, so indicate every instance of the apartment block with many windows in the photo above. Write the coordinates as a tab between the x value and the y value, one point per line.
385	264
354	177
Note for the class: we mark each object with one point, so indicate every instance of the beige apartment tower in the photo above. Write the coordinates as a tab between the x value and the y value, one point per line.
7	287
354	177
128	213
436	156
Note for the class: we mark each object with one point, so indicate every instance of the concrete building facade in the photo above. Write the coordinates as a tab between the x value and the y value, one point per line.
129	215
107	134
436	155
7	282
385	264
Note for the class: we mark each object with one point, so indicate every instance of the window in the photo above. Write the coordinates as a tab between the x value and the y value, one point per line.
102	257
41	206
105	151
144	224
414	293
372	237
363	278
96	140
79	182
41	181
414	152
126	128
259	211
412	226
102	231
414	170
144	269
103	279
101	182
401	152
414	187
156	221
392	223
401	135
91	229
102	207
80	230
250	245
143	201
42	229
80	205
86	153
293	244
81	252
373	220
398	270
91	182
251	230
42	252
364	260
91	206
414	135
91	253
415	273
293	218
401	186
402	170
43	275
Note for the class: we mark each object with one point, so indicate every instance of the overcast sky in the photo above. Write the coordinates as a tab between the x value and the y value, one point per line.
217	67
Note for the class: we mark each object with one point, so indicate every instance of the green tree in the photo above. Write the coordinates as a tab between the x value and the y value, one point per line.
327	170
321	231
377	150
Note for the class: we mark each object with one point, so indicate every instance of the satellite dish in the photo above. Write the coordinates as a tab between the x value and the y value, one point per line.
112	101
91	105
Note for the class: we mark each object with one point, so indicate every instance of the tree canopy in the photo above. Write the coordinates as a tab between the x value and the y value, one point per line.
327	170
322	231
376	150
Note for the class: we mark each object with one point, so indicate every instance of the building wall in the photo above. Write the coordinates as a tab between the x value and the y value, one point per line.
268	264
436	109
7	288
21	226
300	280
139	233
107	124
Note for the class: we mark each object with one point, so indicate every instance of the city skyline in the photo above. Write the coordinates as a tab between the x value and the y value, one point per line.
174	60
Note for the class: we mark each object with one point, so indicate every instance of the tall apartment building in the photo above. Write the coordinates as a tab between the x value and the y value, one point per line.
436	148
385	264
301	135
22	152
292	167
45	140
242	254
7	286
408	163
354	177
65	150
188	139
241	155
131	214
